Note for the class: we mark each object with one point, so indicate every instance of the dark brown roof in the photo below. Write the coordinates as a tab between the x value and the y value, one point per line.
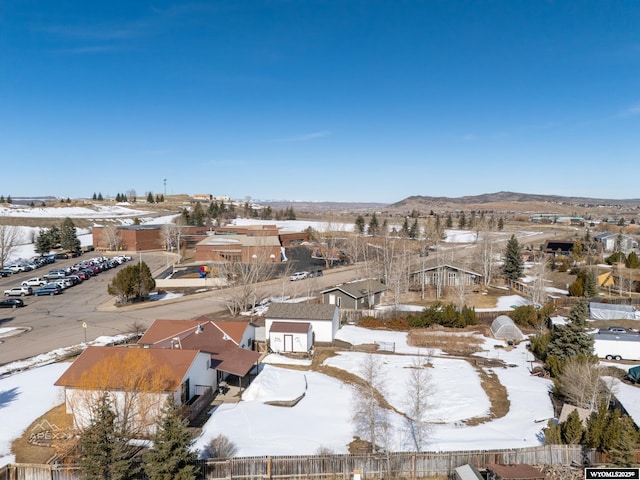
301	311
290	327
516	472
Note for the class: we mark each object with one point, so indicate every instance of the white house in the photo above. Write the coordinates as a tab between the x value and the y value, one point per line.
290	337
324	319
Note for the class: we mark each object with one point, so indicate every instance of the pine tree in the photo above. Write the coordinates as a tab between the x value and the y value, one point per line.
449	223
1	198
373	225
414	231
171	457
94	197
43	242
632	260
579	313
513	264
405	228
197	215
552	434
359	224
150	198
68	236
462	220
102	448
500	224
100	198
572	430
9	199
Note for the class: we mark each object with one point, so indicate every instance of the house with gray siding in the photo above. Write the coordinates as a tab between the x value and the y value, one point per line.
362	294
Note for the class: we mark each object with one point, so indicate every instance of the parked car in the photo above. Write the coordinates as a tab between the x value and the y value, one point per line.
315	273
299	276
5	272
61	256
54	275
17	268
11	303
18	292
48	289
34	282
614	330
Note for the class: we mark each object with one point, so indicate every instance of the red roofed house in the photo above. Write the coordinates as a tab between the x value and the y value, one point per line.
228	343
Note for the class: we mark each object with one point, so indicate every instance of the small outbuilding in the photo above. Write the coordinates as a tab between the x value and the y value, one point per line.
514	472
290	337
503	328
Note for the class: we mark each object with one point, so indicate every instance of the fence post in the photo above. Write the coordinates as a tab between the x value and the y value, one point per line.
269	467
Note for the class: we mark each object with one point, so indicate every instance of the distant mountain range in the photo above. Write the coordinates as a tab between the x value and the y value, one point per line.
508	197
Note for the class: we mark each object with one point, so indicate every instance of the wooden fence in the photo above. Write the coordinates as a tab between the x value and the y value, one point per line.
404	465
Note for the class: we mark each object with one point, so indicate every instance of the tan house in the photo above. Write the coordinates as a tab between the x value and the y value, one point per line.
138	382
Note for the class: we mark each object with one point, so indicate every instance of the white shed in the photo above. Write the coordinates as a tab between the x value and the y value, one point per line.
504	328
324	319
290	337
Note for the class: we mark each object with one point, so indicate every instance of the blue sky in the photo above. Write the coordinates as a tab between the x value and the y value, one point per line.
320	100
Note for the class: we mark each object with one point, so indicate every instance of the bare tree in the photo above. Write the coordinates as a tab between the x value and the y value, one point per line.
539	283
170	233
9	238
420	391
370	419
245	278
580	384
112	238
486	254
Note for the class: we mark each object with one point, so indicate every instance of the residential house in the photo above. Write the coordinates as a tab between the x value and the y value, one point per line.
362	294
138	382
323	319
445	275
228	344
612	241
559	247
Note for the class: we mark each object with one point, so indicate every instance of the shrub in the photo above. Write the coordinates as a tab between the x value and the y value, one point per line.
371	322
220	447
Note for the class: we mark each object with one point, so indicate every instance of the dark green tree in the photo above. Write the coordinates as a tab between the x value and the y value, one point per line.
552	434
43	242
632	260
103	451
360	224
171	457
374	227
414	231
197	216
94	197
1	198
405	228
462	220
133	282
68	236
513	264
100	198
150	198
449	222
9	199
500	224
572	429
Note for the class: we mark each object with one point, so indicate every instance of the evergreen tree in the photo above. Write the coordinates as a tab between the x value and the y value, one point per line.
596	426
632	260
68	236
9	199
100	197
1	198
405	228
572	429
359	224
373	225
54	236
32	204
133	282
171	457
579	313
513	264
185	217
102	448
290	214
150	198
500	224
136	221
414	231
158	198
43	242
449	223
552	434
94	197
197	215
462	220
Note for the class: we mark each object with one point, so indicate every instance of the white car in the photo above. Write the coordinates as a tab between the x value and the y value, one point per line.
18	292
34	282
299	276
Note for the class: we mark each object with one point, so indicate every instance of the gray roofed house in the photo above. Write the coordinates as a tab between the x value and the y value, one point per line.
445	275
324	319
355	295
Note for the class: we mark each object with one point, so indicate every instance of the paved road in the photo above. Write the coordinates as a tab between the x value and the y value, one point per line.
56	322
